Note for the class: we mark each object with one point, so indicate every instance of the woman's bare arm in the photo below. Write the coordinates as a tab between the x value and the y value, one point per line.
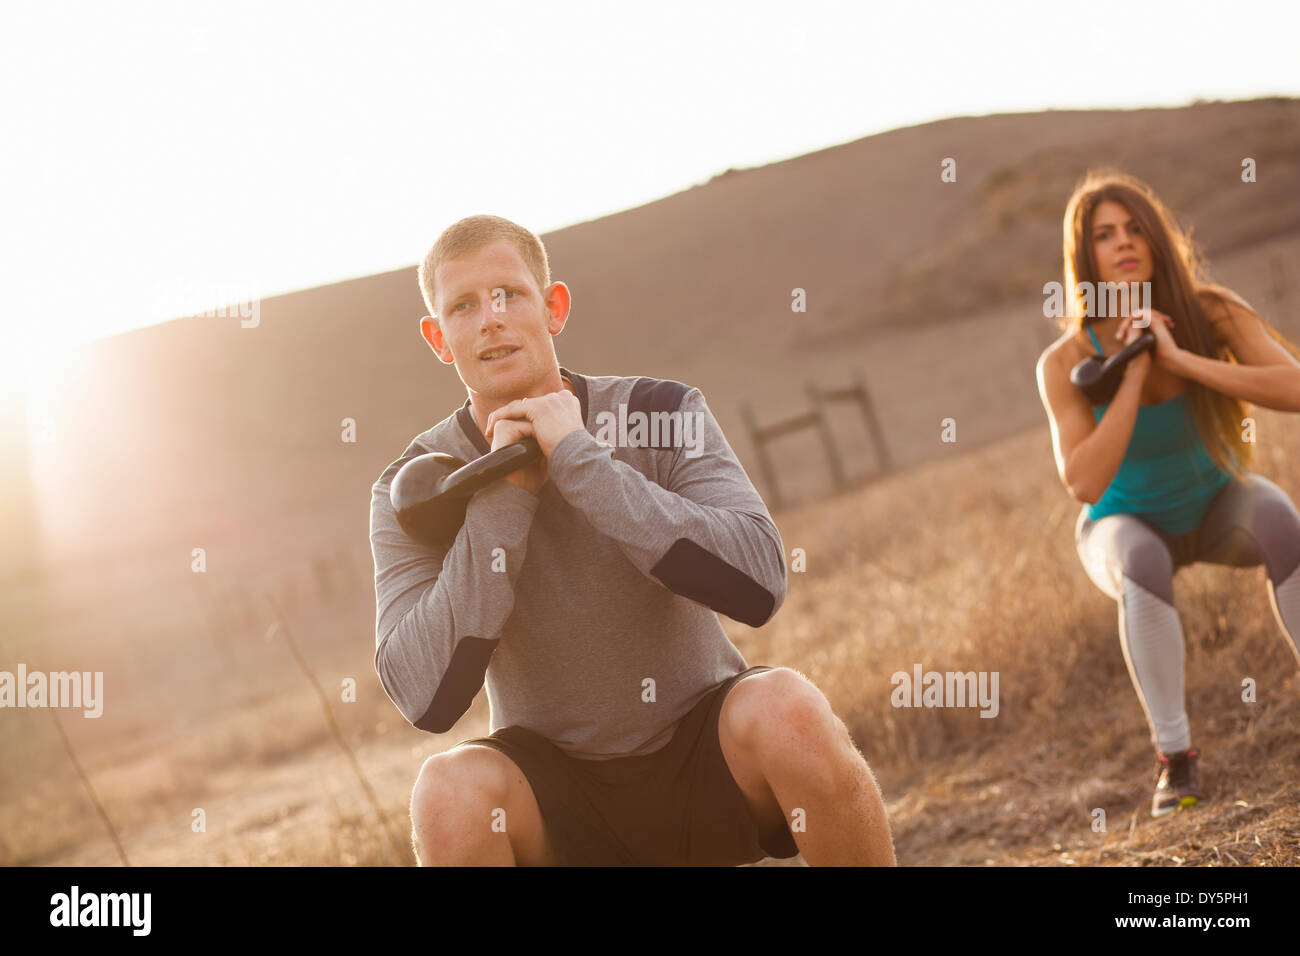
1088	453
1266	373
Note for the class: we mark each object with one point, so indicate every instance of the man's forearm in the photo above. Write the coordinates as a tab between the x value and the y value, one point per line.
440	615
712	542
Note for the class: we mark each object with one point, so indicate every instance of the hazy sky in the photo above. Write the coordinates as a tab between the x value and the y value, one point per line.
161	157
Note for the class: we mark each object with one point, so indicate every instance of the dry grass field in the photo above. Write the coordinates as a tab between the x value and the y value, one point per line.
970	565
963	564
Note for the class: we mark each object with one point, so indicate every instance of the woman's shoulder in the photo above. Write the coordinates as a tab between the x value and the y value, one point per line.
1222	308
1219	301
1063	352
1216	291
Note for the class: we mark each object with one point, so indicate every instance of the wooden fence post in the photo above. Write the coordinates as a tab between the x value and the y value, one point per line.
828	439
764	464
873	424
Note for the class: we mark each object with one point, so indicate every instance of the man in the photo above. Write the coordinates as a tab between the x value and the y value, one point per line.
583	588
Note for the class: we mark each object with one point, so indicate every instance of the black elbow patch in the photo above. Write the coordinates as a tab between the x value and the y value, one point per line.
689	570
462	681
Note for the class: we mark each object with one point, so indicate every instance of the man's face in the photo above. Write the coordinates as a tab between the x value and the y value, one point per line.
494	323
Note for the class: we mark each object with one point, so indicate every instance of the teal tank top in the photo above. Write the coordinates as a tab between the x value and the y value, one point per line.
1167	475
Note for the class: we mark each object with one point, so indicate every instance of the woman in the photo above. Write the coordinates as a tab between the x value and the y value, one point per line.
1165	466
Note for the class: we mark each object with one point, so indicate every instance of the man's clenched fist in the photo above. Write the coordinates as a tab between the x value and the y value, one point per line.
550	417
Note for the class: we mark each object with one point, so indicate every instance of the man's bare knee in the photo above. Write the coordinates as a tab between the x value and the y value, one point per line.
458	803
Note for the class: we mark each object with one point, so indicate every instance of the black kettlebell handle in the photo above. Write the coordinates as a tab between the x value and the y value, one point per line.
1100	380
481	472
431	493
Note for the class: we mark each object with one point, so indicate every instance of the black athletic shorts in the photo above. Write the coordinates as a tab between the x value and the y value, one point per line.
678	806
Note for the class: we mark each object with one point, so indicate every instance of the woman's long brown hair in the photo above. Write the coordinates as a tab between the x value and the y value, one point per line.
1177	282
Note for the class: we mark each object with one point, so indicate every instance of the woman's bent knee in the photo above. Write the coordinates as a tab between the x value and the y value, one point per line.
1147	561
1123	546
1275	527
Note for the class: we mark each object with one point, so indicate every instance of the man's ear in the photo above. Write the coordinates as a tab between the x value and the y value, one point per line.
558	303
432	333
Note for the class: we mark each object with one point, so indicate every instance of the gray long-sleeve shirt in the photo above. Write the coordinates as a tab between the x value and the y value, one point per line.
588	609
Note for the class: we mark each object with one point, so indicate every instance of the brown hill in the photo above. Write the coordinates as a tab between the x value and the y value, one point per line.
199	430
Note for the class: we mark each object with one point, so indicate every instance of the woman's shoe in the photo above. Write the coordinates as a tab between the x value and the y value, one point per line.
1179	785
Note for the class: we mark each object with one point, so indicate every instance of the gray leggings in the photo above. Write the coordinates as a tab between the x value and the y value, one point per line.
1249	523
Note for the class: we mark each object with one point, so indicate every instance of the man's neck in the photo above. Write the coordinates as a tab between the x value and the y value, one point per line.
482	407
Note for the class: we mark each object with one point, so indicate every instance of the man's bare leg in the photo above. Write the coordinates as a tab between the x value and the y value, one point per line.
787	751
472	806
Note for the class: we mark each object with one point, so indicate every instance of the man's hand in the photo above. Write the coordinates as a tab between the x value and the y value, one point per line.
548	418
530	478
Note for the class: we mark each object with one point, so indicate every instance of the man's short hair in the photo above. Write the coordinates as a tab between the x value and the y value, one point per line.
472	234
